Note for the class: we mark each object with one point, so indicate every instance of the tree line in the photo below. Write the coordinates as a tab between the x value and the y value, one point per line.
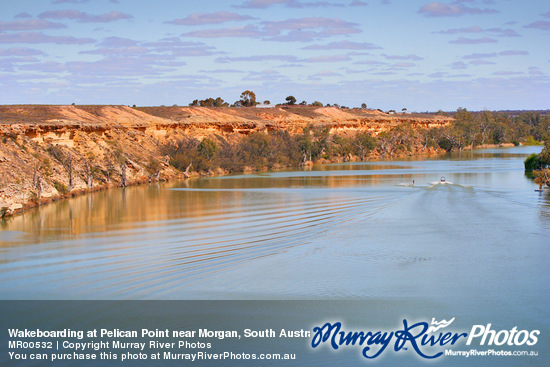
260	150
248	99
267	150
471	129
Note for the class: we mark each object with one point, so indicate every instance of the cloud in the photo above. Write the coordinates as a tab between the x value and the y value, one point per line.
246	31
166	48
476	29
210	18
174	46
403	57
385	73
481	62
435	9
20	51
494	54
358	3
114	41
122	66
472	29
472	41
266	75
326	73
263	4
332	26
459	65
37	37
222	71
343	45
547	15
401	65
84	17
438	74
112	51
322	74
535	71
460	76
290	30
370	62
479	56
505	73
504	32
541	24
261	58
23	15
328	58
308	29
46	67
70	1
513	53
28	25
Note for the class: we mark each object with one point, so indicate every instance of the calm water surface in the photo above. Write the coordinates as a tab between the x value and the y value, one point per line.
347	231
476	247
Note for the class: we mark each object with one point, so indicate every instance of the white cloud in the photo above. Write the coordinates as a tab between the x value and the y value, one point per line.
37	37
435	9
85	17
472	41
343	45
541	24
210	18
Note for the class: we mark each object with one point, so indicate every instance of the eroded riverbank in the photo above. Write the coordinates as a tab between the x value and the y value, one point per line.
51	152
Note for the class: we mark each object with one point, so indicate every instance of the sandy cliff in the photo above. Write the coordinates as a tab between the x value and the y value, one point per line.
49	152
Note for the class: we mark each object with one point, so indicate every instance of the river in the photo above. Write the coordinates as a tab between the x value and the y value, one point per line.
476	246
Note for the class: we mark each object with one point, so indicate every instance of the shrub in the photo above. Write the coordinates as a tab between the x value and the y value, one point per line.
60	187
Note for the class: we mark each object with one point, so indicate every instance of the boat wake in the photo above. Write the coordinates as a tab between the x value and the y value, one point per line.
441	183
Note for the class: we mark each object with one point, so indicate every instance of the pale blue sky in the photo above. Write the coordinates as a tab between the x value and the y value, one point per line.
390	54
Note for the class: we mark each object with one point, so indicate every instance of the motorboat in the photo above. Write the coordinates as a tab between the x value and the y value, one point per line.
443	179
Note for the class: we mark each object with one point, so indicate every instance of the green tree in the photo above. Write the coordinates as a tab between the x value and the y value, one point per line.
290	100
467	126
305	144
340	147
363	143
207	149
544	156
321	137
209	102
248	98
532	162
255	149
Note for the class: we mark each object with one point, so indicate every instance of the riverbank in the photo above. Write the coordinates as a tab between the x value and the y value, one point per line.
52	152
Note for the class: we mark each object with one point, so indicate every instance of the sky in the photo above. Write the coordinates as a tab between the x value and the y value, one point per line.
388	54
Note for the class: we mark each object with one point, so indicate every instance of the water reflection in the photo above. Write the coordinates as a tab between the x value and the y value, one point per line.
339	231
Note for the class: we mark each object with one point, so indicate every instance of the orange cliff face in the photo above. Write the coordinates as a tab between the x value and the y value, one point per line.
55	122
99	145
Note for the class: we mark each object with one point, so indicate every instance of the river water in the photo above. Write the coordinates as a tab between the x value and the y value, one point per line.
476	246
